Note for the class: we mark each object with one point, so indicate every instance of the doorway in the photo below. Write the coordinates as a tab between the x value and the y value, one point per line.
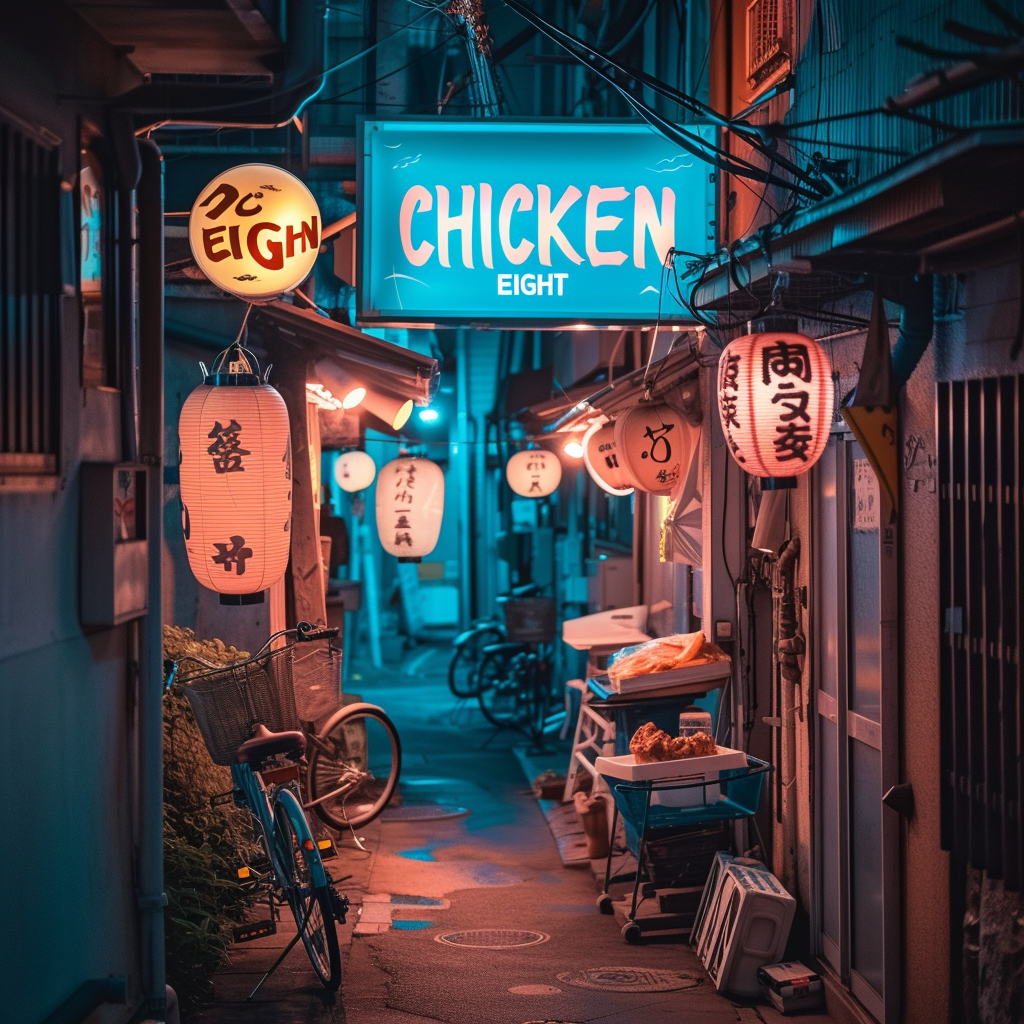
856	838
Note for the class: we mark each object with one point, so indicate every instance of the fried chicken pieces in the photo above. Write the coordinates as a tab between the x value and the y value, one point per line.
650	744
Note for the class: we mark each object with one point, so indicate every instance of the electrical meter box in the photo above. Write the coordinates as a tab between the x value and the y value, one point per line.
114	550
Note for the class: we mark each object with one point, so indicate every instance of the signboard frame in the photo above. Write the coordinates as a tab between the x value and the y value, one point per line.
671	313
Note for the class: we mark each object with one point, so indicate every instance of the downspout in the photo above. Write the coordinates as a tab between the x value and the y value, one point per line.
790	647
917	323
151	364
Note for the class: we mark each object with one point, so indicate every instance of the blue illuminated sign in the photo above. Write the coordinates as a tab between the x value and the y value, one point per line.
531	223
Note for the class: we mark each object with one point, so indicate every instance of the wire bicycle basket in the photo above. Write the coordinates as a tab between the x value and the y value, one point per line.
278	689
530	620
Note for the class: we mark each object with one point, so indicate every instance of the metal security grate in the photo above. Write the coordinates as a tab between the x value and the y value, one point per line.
981	492
29	295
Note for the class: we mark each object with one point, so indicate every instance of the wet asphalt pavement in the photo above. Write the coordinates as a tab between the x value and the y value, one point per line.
496	868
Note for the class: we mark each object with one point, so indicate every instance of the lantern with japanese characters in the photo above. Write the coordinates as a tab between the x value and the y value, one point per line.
533	473
410	506
236	478
653	442
600	453
354	471
255	231
775	401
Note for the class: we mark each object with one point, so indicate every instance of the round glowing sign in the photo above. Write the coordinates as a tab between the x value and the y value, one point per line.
255	231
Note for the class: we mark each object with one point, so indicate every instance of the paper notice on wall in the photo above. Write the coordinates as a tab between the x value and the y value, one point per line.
865	496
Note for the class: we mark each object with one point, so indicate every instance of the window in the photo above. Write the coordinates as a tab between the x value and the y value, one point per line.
30	287
769	26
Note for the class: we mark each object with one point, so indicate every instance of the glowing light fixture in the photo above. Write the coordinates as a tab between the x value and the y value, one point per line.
573	448
410	507
354	471
255	231
340	384
429	415
533	473
236	478
393	411
775	400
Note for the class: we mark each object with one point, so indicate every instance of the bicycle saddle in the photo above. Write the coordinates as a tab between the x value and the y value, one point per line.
266	743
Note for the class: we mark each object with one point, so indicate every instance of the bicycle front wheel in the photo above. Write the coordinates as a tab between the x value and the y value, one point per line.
504	690
354	763
310	904
463	670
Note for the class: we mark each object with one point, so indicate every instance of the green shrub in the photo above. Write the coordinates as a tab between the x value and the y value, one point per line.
203	845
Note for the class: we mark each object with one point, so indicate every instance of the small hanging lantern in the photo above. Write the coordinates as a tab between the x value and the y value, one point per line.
775	400
410	506
600	453
653	442
236	477
255	231
533	473
354	471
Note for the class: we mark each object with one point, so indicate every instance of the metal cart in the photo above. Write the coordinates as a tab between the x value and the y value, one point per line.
664	808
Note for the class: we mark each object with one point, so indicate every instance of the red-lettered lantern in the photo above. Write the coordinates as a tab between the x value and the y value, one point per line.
410	506
354	471
255	231
654	443
533	473
236	479
775	401
601	455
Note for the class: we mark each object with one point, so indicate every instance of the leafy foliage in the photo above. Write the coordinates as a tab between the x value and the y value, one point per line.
203	845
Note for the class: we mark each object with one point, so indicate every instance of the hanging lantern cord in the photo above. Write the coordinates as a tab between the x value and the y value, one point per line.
245	321
236	352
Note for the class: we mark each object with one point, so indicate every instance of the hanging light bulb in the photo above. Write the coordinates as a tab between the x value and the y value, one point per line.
573	448
236	479
354	471
341	384
393	411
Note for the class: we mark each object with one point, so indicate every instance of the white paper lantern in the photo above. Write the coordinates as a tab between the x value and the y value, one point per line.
600	453
775	400
533	473
255	231
354	471
236	483
410	506
653	442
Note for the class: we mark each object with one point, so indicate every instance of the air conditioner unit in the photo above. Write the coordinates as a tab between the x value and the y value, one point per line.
744	926
705	918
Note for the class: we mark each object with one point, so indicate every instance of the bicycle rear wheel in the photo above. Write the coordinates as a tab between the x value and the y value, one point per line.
463	670
310	904
504	696
355	760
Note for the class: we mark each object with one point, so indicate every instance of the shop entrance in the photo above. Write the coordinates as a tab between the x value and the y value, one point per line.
856	737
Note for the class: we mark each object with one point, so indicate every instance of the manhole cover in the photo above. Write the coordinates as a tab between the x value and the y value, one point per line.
535	990
423	812
630	979
496	938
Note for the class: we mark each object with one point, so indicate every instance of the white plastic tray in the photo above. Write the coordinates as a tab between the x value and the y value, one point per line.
690	677
625	767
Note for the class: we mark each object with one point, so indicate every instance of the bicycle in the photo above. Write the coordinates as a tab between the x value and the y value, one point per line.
233	706
464	668
515	675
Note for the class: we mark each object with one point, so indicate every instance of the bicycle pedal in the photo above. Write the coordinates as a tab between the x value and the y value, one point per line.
339	905
327	849
254	930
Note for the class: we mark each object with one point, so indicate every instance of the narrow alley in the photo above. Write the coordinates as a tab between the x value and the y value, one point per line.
468	851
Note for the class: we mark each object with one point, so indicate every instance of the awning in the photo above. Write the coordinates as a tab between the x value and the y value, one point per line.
572	409
376	364
892	226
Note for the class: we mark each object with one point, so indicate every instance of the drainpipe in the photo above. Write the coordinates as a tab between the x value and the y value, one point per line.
917	323
790	647
151	812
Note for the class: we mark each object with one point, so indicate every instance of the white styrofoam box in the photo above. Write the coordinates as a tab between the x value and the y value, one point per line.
619	627
749	922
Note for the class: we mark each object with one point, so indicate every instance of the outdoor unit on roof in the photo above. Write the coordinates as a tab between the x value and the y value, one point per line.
743	926
769	26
